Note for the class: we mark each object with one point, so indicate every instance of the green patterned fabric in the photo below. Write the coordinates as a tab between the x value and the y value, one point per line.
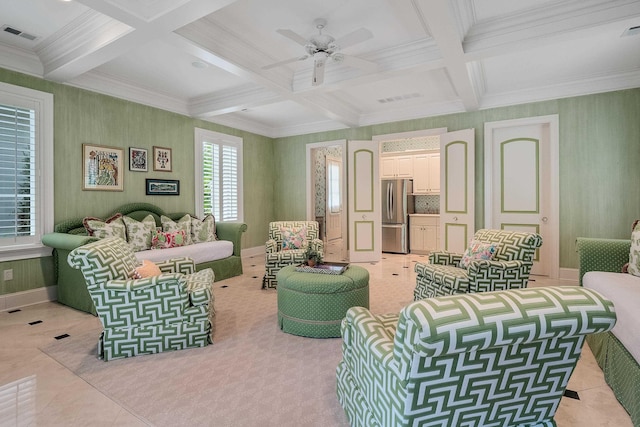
276	258
203	230
139	233
183	224
498	359
509	267
313	305
602	254
168	312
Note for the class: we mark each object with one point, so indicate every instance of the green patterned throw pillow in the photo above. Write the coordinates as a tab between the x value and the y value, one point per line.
183	224
634	255
139	232
102	229
203	231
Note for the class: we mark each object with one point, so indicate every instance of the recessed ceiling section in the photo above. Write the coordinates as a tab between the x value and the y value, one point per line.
490	9
147	10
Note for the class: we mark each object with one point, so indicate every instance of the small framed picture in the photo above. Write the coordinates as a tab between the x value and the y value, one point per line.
102	168
162	159
162	187
138	159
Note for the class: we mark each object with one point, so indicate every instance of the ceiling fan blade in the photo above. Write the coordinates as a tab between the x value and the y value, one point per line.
363	64
285	62
293	36
354	37
318	71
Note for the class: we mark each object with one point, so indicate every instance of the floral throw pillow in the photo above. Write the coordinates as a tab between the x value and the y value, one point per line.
634	254
110	227
293	238
477	251
139	232
183	224
203	231
168	239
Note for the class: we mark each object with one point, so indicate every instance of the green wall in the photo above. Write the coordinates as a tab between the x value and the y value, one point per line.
599	147
81	116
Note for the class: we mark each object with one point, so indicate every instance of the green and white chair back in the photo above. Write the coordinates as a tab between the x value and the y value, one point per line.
493	359
509	267
276	258
140	316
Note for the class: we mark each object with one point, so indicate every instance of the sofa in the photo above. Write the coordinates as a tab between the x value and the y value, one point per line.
500	358
617	351
222	256
168	309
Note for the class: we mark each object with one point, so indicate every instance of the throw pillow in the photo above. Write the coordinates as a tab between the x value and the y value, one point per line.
183	224
634	254
203	231
147	269
168	239
477	251
110	227
293	238
139	232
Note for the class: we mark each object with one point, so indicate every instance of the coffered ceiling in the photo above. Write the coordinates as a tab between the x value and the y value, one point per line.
206	58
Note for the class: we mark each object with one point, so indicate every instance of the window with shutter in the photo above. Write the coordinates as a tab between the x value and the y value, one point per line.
218	175
26	171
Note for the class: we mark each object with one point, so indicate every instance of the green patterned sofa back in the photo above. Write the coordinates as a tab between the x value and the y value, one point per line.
313	230
511	245
103	260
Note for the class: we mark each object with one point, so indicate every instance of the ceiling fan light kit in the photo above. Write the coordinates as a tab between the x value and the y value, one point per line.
324	46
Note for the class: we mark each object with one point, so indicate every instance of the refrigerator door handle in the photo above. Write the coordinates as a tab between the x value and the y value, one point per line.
388	201
391	202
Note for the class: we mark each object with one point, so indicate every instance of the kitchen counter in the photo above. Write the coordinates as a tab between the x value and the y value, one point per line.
421	214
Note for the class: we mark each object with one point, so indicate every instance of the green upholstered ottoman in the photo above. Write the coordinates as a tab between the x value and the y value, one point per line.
313	305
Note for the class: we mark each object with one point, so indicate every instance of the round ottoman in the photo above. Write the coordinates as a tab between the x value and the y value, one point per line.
313	304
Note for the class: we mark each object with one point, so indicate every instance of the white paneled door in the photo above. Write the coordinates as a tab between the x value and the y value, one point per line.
365	222
521	183
457	189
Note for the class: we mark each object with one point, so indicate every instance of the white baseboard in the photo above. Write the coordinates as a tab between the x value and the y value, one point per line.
30	297
255	251
569	274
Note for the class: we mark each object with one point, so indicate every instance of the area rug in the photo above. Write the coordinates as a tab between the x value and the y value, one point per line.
253	374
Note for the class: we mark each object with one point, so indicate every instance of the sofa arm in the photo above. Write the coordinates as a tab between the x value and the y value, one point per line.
66	241
231	231
184	265
598	254
445	258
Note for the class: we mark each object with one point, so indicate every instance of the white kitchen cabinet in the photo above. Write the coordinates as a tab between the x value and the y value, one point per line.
426	173
396	167
424	233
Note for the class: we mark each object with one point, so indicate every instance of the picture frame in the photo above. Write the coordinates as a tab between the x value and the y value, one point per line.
162	159
162	187
138	159
102	168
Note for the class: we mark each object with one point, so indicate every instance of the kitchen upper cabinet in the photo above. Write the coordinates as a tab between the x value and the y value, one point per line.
396	167
424	233
426	173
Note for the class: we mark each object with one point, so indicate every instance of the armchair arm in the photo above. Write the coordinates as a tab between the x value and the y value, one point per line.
486	275
184	265
134	285
445	258
318	245
231	231
602	254
271	246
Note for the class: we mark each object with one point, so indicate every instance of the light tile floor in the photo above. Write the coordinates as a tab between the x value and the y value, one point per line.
37	390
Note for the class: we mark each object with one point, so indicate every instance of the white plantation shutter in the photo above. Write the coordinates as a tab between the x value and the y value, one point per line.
220	174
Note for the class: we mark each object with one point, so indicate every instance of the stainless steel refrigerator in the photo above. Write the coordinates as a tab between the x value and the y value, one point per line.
397	204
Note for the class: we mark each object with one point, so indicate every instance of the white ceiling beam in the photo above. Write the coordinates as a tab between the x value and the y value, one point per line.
231	100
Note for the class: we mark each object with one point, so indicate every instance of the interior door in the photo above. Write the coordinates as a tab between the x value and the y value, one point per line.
333	211
521	180
365	221
457	189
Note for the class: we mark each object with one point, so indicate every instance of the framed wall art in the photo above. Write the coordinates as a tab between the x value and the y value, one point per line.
102	168
138	159
162	159
162	187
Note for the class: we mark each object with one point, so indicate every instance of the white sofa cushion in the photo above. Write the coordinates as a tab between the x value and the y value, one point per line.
624	290
199	252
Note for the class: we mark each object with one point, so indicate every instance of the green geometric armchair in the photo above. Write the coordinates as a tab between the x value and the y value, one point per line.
493	359
508	268
278	255
171	311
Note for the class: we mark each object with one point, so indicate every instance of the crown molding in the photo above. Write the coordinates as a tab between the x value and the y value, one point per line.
20	60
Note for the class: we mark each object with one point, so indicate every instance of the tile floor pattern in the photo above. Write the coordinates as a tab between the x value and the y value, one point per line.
37	390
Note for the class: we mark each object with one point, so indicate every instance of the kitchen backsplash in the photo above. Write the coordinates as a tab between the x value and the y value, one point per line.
431	142
427	204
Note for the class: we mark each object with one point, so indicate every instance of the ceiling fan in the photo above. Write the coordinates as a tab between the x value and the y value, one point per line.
322	47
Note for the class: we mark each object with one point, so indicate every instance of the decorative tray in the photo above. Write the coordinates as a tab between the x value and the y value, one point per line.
324	268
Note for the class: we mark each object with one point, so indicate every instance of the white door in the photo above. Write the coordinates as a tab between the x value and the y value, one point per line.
333	211
365	221
457	189
521	177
